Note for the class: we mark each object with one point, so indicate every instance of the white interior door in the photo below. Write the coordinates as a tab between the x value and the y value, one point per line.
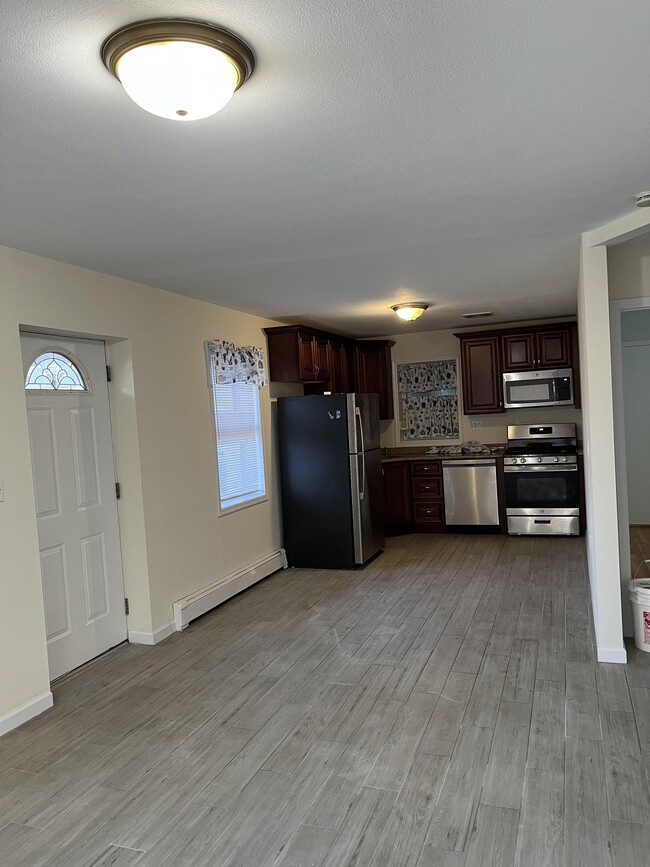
74	486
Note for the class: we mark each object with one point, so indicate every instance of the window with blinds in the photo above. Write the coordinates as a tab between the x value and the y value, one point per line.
240	451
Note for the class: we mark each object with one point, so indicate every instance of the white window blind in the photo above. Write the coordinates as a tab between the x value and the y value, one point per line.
240	453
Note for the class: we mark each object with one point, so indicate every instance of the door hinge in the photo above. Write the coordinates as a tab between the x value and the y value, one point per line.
108	373
126	605
118	493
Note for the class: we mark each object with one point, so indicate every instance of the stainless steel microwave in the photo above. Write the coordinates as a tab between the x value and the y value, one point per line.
538	388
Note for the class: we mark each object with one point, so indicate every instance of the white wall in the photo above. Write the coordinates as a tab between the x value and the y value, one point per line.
442	344
173	542
628	268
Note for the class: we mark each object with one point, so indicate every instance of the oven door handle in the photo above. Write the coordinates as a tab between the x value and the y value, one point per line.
542	468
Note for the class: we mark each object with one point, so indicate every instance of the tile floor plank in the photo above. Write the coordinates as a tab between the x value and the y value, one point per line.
540	840
586	824
582	716
459	797
504	779
493	838
547	733
630	844
627	787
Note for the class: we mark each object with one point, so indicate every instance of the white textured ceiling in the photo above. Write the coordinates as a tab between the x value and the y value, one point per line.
443	151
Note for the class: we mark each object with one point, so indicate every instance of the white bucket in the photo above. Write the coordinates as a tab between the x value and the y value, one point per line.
640	596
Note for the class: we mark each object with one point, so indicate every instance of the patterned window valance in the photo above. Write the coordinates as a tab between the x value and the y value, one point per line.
230	363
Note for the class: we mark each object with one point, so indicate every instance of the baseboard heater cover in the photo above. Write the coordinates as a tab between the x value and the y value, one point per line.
188	609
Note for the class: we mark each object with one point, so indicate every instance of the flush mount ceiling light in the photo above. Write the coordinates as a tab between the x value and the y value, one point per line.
178	69
643	200
410	311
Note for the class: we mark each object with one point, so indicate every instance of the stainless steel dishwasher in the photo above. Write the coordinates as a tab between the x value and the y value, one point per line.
471	499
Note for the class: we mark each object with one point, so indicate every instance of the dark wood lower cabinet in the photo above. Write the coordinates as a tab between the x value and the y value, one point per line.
397	498
428	498
413	496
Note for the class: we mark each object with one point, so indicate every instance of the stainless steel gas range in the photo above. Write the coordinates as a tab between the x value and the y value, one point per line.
541	480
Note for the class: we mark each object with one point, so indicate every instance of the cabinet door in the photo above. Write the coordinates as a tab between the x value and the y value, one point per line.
554	348
397	497
321	357
373	373
482	381
338	363
306	356
518	351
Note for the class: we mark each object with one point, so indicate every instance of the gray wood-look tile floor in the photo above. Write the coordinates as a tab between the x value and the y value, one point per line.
440	708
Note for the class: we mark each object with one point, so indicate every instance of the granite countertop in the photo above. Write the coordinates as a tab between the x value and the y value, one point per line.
420	454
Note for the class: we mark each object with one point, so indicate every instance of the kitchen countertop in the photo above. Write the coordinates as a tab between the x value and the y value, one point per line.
412	455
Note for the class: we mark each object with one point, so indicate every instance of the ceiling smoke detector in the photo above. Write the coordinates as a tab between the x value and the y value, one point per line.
477	315
643	199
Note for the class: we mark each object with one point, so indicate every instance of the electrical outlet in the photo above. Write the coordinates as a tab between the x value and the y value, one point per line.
477	424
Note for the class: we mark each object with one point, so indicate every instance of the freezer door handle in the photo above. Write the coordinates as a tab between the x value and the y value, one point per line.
362	476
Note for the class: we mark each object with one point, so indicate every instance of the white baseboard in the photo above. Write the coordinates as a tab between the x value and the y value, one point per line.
25	712
188	609
612	654
155	637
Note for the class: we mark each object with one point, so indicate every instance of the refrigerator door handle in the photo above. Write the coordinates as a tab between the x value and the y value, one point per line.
362	477
357	411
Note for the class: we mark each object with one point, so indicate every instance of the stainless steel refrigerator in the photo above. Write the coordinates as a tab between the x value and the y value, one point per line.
330	471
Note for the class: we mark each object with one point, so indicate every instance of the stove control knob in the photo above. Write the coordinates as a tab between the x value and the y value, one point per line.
564	460
556	460
539	460
522	460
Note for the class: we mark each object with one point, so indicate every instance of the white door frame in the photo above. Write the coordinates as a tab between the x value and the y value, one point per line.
616	309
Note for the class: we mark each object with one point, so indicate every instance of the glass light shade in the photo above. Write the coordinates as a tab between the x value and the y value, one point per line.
178	80
409	312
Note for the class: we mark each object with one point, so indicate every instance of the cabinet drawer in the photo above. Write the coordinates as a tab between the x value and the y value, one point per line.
425	488
425	468
428	513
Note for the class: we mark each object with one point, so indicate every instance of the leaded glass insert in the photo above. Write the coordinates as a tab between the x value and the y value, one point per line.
52	371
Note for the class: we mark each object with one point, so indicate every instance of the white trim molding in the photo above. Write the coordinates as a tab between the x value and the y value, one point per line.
25	712
154	637
191	607
616	309
612	654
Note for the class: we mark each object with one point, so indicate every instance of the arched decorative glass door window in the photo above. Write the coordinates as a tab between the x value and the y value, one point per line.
52	371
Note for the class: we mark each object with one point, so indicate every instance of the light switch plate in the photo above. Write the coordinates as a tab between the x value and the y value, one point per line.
2	490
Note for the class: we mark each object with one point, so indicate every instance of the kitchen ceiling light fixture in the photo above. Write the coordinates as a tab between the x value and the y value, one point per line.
410	311
177	68
643	199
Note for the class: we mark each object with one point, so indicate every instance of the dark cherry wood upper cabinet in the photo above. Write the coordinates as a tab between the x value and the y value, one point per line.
397	498
481	368
297	354
554	348
306	357
518	351
537	349
338	366
321	357
373	372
